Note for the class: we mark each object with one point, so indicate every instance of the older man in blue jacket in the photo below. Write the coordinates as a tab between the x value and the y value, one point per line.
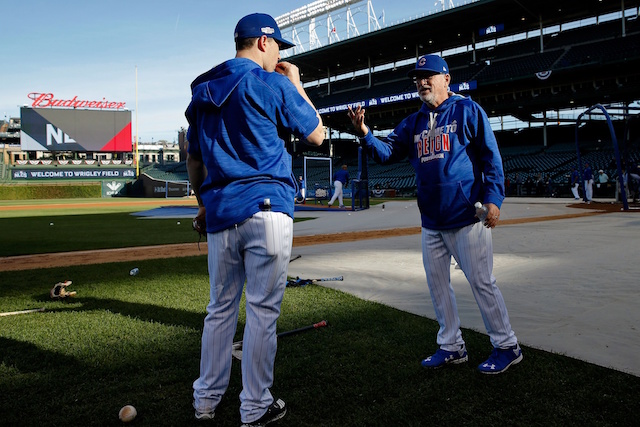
453	150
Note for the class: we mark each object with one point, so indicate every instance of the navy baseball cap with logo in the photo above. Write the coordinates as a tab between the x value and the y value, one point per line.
258	25
430	64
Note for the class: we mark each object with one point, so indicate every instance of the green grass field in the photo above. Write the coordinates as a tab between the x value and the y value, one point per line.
136	340
87	224
37	228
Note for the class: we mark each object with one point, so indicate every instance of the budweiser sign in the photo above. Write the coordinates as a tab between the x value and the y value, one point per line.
43	100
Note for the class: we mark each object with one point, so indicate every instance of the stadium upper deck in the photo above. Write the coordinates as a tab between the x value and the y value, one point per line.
596	63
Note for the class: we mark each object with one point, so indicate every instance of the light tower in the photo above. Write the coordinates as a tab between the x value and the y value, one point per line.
311	15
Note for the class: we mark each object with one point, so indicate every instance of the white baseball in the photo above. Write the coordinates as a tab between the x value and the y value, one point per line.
127	413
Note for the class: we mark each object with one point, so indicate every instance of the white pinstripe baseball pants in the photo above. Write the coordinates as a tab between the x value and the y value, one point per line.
588	185
337	194
472	248
257	250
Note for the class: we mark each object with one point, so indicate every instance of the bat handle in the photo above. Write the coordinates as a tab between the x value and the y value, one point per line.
320	324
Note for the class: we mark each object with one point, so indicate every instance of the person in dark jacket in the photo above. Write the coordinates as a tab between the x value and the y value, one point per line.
450	144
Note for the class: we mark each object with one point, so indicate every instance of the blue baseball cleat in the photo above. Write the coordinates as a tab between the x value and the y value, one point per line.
444	357
501	359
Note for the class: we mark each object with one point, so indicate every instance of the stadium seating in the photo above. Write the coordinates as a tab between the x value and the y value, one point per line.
523	152
561	51
167	172
529	162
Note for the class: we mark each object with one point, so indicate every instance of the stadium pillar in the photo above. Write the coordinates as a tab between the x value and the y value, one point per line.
328	81
473	45
544	129
330	144
541	36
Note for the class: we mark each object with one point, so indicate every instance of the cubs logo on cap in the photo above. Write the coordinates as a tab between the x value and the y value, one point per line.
258	25
430	64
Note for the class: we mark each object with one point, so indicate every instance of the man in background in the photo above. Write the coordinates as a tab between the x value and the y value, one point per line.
302	190
340	180
588	183
575	183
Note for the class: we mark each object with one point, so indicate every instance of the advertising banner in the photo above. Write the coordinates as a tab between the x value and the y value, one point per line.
113	188
393	99
55	174
60	129
156	188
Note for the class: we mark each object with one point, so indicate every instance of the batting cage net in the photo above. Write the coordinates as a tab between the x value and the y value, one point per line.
318	173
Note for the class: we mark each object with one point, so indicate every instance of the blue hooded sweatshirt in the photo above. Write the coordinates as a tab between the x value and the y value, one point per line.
456	158
239	117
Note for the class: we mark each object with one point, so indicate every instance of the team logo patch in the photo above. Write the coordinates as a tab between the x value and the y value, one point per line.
543	75
422	61
267	30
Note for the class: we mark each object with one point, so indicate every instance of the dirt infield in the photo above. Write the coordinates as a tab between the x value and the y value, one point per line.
27	262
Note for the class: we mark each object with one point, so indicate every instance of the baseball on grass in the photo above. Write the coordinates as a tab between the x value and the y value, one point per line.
127	413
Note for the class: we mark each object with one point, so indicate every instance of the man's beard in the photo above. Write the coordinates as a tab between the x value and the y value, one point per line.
429	98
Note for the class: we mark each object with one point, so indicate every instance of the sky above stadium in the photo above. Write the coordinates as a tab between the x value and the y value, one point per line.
93	50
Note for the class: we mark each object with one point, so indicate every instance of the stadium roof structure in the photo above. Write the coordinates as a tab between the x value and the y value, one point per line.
596	64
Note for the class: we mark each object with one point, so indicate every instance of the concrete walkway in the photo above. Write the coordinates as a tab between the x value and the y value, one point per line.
571	285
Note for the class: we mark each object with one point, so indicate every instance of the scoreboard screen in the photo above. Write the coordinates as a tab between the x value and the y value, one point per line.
64	129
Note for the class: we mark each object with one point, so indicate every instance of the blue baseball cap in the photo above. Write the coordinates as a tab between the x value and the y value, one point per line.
430	64
258	25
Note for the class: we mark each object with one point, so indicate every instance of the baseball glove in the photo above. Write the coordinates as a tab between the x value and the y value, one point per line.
59	290
200	225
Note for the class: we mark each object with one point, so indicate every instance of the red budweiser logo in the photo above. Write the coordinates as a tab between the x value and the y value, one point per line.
42	100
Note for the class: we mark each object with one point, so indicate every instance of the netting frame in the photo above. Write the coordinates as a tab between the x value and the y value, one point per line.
330	177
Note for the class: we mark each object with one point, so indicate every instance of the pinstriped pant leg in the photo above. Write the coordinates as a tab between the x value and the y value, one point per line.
337	194
268	237
437	264
226	279
473	247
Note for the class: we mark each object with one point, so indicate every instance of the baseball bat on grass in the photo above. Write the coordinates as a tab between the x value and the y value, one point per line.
301	282
237	346
13	313
320	324
329	279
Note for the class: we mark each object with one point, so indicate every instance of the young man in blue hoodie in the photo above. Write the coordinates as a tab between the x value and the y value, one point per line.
451	146
240	115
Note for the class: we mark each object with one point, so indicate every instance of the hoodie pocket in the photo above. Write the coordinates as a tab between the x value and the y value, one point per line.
444	204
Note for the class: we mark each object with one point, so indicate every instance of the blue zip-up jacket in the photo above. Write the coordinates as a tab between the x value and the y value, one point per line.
239	117
456	158
588	173
342	176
